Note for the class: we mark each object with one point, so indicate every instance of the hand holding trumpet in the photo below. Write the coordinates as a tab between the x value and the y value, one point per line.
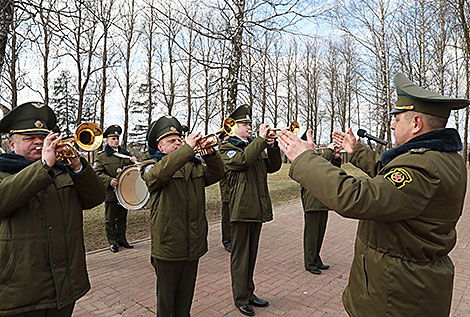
197	140
51	146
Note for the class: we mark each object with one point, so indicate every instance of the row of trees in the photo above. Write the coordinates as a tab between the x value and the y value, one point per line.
326	64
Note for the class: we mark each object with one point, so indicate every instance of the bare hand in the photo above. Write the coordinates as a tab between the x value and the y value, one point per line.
134	159
193	139
204	143
263	130
346	140
114	182
292	146
49	148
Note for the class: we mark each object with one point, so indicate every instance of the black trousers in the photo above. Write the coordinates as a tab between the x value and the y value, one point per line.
116	222
175	287
314	232
226	227
51	312
245	240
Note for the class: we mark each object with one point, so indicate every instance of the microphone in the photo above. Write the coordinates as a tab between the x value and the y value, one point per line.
363	134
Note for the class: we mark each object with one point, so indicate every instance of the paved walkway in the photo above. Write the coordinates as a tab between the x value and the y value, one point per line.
124	283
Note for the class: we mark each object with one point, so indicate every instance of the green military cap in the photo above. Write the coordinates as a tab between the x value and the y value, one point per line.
163	127
28	118
113	130
242	114
413	97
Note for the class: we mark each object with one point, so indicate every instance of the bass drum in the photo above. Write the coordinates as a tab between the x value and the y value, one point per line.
131	191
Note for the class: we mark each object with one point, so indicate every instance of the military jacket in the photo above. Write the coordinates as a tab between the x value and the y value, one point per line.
246	168
224	190
310	202
176	183
42	255
107	166
408	211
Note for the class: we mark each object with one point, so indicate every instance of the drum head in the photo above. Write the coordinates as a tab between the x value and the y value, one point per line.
131	192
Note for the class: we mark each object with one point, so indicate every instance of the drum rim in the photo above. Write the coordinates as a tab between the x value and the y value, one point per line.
118	195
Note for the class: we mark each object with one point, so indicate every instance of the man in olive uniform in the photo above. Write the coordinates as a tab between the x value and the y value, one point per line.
247	162
315	219
176	180
225	197
42	255
408	209
108	165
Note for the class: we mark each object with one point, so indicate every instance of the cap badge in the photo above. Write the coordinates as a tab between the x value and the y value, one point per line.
38	124
172	129
38	105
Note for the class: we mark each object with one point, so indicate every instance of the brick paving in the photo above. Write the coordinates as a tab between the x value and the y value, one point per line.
124	283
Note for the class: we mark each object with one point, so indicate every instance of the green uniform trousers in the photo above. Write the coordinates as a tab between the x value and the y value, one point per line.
226	231
245	240
175	286
52	312
115	221
314	231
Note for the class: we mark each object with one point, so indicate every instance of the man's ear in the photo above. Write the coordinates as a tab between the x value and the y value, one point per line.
11	144
417	124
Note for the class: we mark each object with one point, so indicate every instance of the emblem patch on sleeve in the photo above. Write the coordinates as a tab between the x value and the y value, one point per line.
399	177
95	164
231	153
148	168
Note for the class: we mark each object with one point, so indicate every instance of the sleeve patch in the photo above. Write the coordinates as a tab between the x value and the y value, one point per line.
231	153
148	168
95	164
399	177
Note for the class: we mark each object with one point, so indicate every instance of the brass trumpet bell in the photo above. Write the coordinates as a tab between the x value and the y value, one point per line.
229	127
88	136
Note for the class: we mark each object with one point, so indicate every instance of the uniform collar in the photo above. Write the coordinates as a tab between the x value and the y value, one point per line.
236	141
443	140
110	151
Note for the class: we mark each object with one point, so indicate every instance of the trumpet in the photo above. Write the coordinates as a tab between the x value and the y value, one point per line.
294	127
88	136
229	127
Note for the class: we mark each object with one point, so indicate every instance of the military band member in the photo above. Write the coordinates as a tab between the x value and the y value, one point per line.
408	209
108	165
176	180
42	254
247	162
315	219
